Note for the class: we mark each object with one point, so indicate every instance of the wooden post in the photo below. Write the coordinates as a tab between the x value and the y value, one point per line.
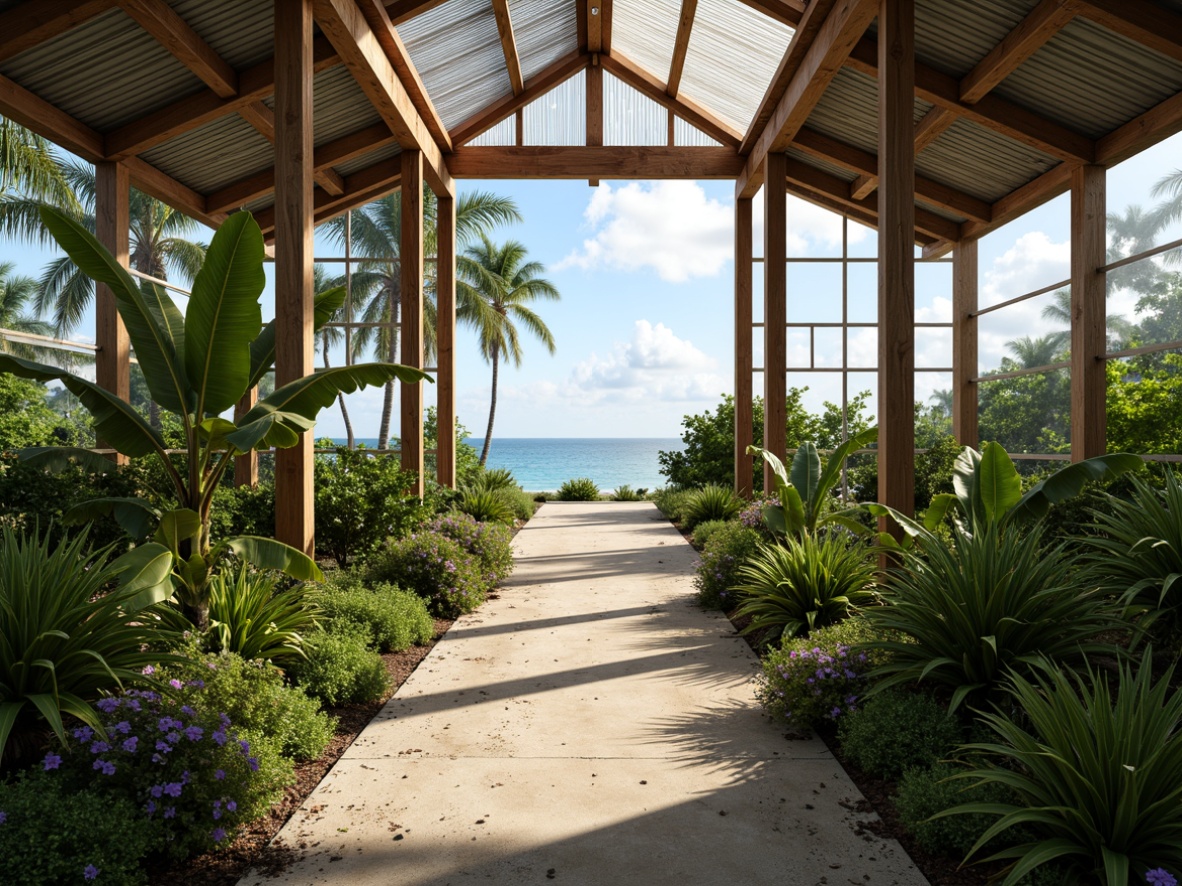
896	256
411	328
1088	313
112	193
775	311
594	108
744	472
445	316
964	342
246	467
293	257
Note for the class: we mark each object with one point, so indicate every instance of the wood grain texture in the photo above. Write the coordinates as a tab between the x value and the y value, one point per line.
1046	20
508	45
174	34
1146	23
786	12
685	26
33	22
744	346
965	404
411	322
112	192
445	313
1088	312
931	126
775	313
262	118
1159	122
577	161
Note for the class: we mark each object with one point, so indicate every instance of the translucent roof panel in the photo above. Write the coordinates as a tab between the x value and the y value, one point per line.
733	54
545	31
644	31
630	118
503	135
560	116
457	50
687	136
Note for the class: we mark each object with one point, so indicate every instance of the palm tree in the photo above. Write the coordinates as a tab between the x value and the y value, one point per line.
942	400
330	336
1033	352
28	165
1119	328
376	238
498	284
16	292
1170	187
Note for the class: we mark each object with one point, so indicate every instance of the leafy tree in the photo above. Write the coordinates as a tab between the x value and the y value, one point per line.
29	166
25	418
468	465
1142	406
499	284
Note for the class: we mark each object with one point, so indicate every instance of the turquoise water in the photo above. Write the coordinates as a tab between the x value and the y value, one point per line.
544	464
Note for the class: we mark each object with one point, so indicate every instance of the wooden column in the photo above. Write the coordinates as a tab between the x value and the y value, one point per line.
744	473
112	191
896	254
775	311
411	328
594	108
445	311
964	343
293	256
246	467
1088	313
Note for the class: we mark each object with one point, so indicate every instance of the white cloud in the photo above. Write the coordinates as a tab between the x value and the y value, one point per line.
811	228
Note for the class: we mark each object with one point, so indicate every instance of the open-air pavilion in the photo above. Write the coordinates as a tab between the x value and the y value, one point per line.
932	120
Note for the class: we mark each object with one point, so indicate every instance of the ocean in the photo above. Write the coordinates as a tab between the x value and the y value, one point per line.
542	464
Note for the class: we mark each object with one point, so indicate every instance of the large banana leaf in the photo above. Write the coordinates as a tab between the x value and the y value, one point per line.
266	553
1069	481
806	473
262	349
56	459
841	453
150	316
224	315
145	576
270	422
115	421
998	483
134	515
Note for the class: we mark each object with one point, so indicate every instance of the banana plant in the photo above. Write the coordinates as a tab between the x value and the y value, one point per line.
197	365
804	493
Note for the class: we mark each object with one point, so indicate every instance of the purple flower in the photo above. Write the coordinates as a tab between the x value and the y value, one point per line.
165	723
1160	877
3	817
173	789
90	872
104	766
254	763
83	733
233	807
188	711
99	747
107	705
130	744
122	727
175	683
218	834
149	670
194	733
163	746
157	791
170	812
151	807
219	737
51	761
220	774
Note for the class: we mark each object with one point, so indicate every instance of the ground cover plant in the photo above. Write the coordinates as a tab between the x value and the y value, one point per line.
394	619
726	551
339	667
895	731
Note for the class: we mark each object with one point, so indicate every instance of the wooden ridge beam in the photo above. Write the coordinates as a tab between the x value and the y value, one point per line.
694	114
508	45
353	37
537	86
262	119
1032	33
35	21
824	56
605	12
685	26
594	13
595	162
174	34
1151	26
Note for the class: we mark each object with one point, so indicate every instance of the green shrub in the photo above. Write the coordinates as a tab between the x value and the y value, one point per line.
489	543
581	489
250	617
710	503
243	510
627	493
51	835
392	619
671	502
989	603
809	680
718	569
520	502
805	583
263	707
897	730
492	479
487	506
1095	775
436	568
67	638
340	668
929	790
703	532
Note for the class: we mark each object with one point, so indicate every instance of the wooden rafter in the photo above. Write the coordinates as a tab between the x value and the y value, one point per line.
400	11
1034	193
351	34
931	126
685	26
174	34
786	12
35	21
508	44
1150	25
262	119
642	81
605	12
595	162
1159	122
361	187
538	85
1031	34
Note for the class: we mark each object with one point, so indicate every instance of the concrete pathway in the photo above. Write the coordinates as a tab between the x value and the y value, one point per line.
590	726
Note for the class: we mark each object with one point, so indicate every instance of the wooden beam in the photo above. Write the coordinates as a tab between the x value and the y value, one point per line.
820	61
445	338
1150	25
1050	184
594	102
174	34
863	186
1046	20
1158	123
1088	313
34	22
262	119
411	322
744	344
896	263
964	343
775	313
361	187
537	86
396	52
594	25
112	193
154	183
992	112
401	11
573	162
508	45
786	12
293	253
581	23
931	126
605	12
348	31
694	114
685	26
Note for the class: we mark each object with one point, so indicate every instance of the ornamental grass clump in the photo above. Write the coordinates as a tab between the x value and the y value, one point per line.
250	615
489	543
436	568
725	552
711	502
579	489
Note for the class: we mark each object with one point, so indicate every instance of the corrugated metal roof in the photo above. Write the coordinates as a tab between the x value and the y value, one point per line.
214	155
630	118
105	72
687	136
733	53
457	50
645	31
366	160
545	31
980	162
339	107
560	116
952	35
240	31
1091	79
832	168
848	111
504	134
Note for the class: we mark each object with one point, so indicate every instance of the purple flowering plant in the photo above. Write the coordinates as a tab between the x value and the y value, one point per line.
436	568
717	572
489	543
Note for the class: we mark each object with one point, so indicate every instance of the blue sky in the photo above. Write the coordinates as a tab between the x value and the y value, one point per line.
644	327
